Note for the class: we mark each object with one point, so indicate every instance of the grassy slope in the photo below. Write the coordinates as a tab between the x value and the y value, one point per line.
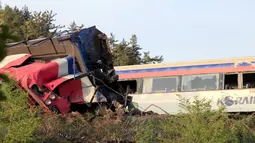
18	124
199	125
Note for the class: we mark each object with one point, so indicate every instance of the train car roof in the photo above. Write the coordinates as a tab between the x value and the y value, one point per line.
208	62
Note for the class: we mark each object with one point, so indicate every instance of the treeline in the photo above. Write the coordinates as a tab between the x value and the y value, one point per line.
26	25
128	52
19	123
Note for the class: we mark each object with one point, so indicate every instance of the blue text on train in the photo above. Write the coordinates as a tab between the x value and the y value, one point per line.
229	100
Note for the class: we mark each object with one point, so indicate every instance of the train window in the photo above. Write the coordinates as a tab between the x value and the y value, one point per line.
131	83
200	82
160	84
248	80
231	81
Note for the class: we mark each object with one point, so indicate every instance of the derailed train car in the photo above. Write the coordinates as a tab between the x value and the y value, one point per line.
225	82
67	72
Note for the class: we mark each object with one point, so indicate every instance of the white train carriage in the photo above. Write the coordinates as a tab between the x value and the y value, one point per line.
228	82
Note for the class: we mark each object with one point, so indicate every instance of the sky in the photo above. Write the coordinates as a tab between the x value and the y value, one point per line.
180	30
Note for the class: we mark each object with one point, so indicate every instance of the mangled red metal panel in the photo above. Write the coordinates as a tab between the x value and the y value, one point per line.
55	74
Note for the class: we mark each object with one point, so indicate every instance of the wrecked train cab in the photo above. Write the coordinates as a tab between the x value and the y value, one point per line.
57	60
89	46
54	85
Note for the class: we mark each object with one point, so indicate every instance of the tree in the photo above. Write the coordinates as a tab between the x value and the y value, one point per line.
13	18
128	53
148	60
120	54
26	14
73	27
28	25
4	36
112	40
135	55
40	24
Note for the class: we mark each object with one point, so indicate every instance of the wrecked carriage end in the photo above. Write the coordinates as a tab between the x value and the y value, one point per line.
70	90
90	48
59	78
10	66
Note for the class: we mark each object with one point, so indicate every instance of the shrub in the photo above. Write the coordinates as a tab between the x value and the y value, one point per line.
18	124
197	124
201	124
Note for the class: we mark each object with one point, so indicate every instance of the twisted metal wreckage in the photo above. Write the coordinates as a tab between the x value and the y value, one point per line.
67	72
74	72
